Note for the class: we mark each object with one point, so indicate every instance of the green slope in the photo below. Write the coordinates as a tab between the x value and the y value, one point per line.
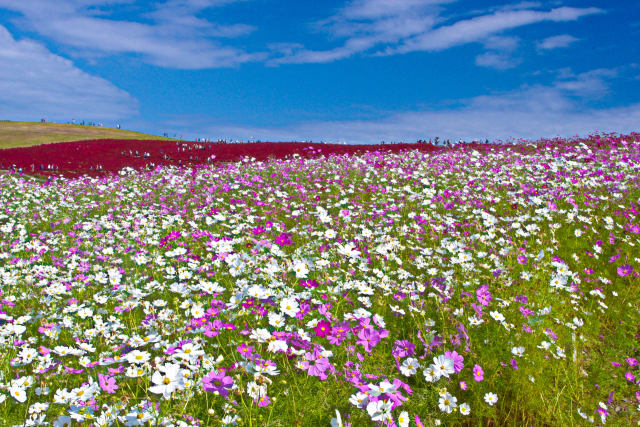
26	134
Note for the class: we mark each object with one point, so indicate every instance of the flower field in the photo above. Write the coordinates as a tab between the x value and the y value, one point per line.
96	157
473	285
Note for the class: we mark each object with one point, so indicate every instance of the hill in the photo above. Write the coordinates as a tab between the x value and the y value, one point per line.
27	134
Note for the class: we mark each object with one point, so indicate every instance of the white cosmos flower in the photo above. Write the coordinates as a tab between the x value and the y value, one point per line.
276	319
134	371
409	366
359	399
255	390
13	328
189	352
289	306
260	335
491	398
464	409
61	396
380	410
443	366
430	374
277	345
138	357
518	351
197	310
403	419
447	403
301	270
497	316
27	354
167	381
83	313
18	393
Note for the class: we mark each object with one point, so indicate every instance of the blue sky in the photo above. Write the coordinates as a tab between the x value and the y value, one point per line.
355	71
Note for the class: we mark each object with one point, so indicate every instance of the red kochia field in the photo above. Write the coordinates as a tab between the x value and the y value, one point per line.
80	157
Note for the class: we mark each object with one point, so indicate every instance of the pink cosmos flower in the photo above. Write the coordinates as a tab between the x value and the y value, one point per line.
263	401
478	373
526	312
316	365
107	383
458	360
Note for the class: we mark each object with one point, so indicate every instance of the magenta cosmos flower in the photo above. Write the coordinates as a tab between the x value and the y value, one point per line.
624	270
323	328
217	381
403	348
368	338
483	295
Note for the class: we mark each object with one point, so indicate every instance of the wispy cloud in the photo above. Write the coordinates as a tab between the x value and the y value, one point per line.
368	24
499	61
478	28
171	35
36	83
590	84
529	112
556	42
381	27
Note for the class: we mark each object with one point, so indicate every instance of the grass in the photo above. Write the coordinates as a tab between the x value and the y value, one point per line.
27	134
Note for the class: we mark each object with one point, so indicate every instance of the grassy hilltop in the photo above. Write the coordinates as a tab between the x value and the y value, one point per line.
26	134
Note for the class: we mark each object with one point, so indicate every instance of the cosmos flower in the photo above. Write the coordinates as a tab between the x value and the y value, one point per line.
166	380
403	348
323	328
368	338
624	270
217	382
478	373
107	383
447	403
491	398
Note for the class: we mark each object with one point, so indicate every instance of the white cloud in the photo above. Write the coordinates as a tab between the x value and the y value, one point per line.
499	61
530	112
501	43
556	42
36	83
366	24
480	27
382	27
590	84
171	35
